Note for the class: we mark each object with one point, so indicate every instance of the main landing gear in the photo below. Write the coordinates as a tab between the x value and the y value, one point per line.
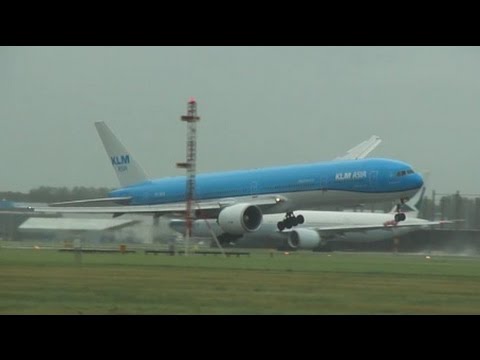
290	221
400	216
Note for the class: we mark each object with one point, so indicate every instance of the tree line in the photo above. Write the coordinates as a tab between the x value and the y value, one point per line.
48	194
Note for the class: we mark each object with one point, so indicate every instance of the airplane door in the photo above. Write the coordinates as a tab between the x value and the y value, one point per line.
323	184
373	178
254	187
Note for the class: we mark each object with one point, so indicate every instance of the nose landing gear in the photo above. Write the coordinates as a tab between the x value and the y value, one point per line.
400	216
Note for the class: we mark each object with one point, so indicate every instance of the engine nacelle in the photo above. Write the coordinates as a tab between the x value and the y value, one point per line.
240	218
304	239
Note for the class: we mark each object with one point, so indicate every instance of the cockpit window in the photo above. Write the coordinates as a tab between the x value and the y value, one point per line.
405	172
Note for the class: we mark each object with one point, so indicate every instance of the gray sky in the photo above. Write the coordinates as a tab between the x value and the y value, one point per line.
259	106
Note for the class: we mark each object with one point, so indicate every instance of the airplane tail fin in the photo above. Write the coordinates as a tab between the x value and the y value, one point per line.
127	169
413	205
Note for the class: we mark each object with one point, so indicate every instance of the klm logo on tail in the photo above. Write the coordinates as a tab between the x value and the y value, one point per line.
120	162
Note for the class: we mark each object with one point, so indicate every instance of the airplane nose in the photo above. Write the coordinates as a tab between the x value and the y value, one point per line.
418	180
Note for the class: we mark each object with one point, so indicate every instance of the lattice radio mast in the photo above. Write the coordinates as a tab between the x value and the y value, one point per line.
191	166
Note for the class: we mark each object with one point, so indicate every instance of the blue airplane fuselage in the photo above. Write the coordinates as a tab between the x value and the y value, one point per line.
345	181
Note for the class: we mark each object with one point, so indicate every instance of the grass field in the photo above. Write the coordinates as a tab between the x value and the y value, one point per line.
51	282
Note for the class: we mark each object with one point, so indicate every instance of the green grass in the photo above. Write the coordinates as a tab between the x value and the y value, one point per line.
50	282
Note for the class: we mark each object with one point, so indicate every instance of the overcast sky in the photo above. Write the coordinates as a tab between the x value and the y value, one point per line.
259	106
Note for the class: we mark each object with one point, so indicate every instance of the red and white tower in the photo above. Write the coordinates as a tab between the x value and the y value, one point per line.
190	165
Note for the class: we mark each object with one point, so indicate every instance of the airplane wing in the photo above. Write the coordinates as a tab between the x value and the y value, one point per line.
206	206
95	202
338	230
74	224
361	150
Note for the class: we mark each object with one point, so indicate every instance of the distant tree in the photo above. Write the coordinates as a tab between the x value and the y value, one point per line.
13	196
55	194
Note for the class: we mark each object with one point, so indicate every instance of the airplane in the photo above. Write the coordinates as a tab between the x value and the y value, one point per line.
14	208
238	199
320	228
33	223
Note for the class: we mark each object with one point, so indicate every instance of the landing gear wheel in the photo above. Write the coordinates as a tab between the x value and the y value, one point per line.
400	217
288	223
400	204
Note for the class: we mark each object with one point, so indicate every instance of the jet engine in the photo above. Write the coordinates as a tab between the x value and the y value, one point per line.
240	218
304	239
